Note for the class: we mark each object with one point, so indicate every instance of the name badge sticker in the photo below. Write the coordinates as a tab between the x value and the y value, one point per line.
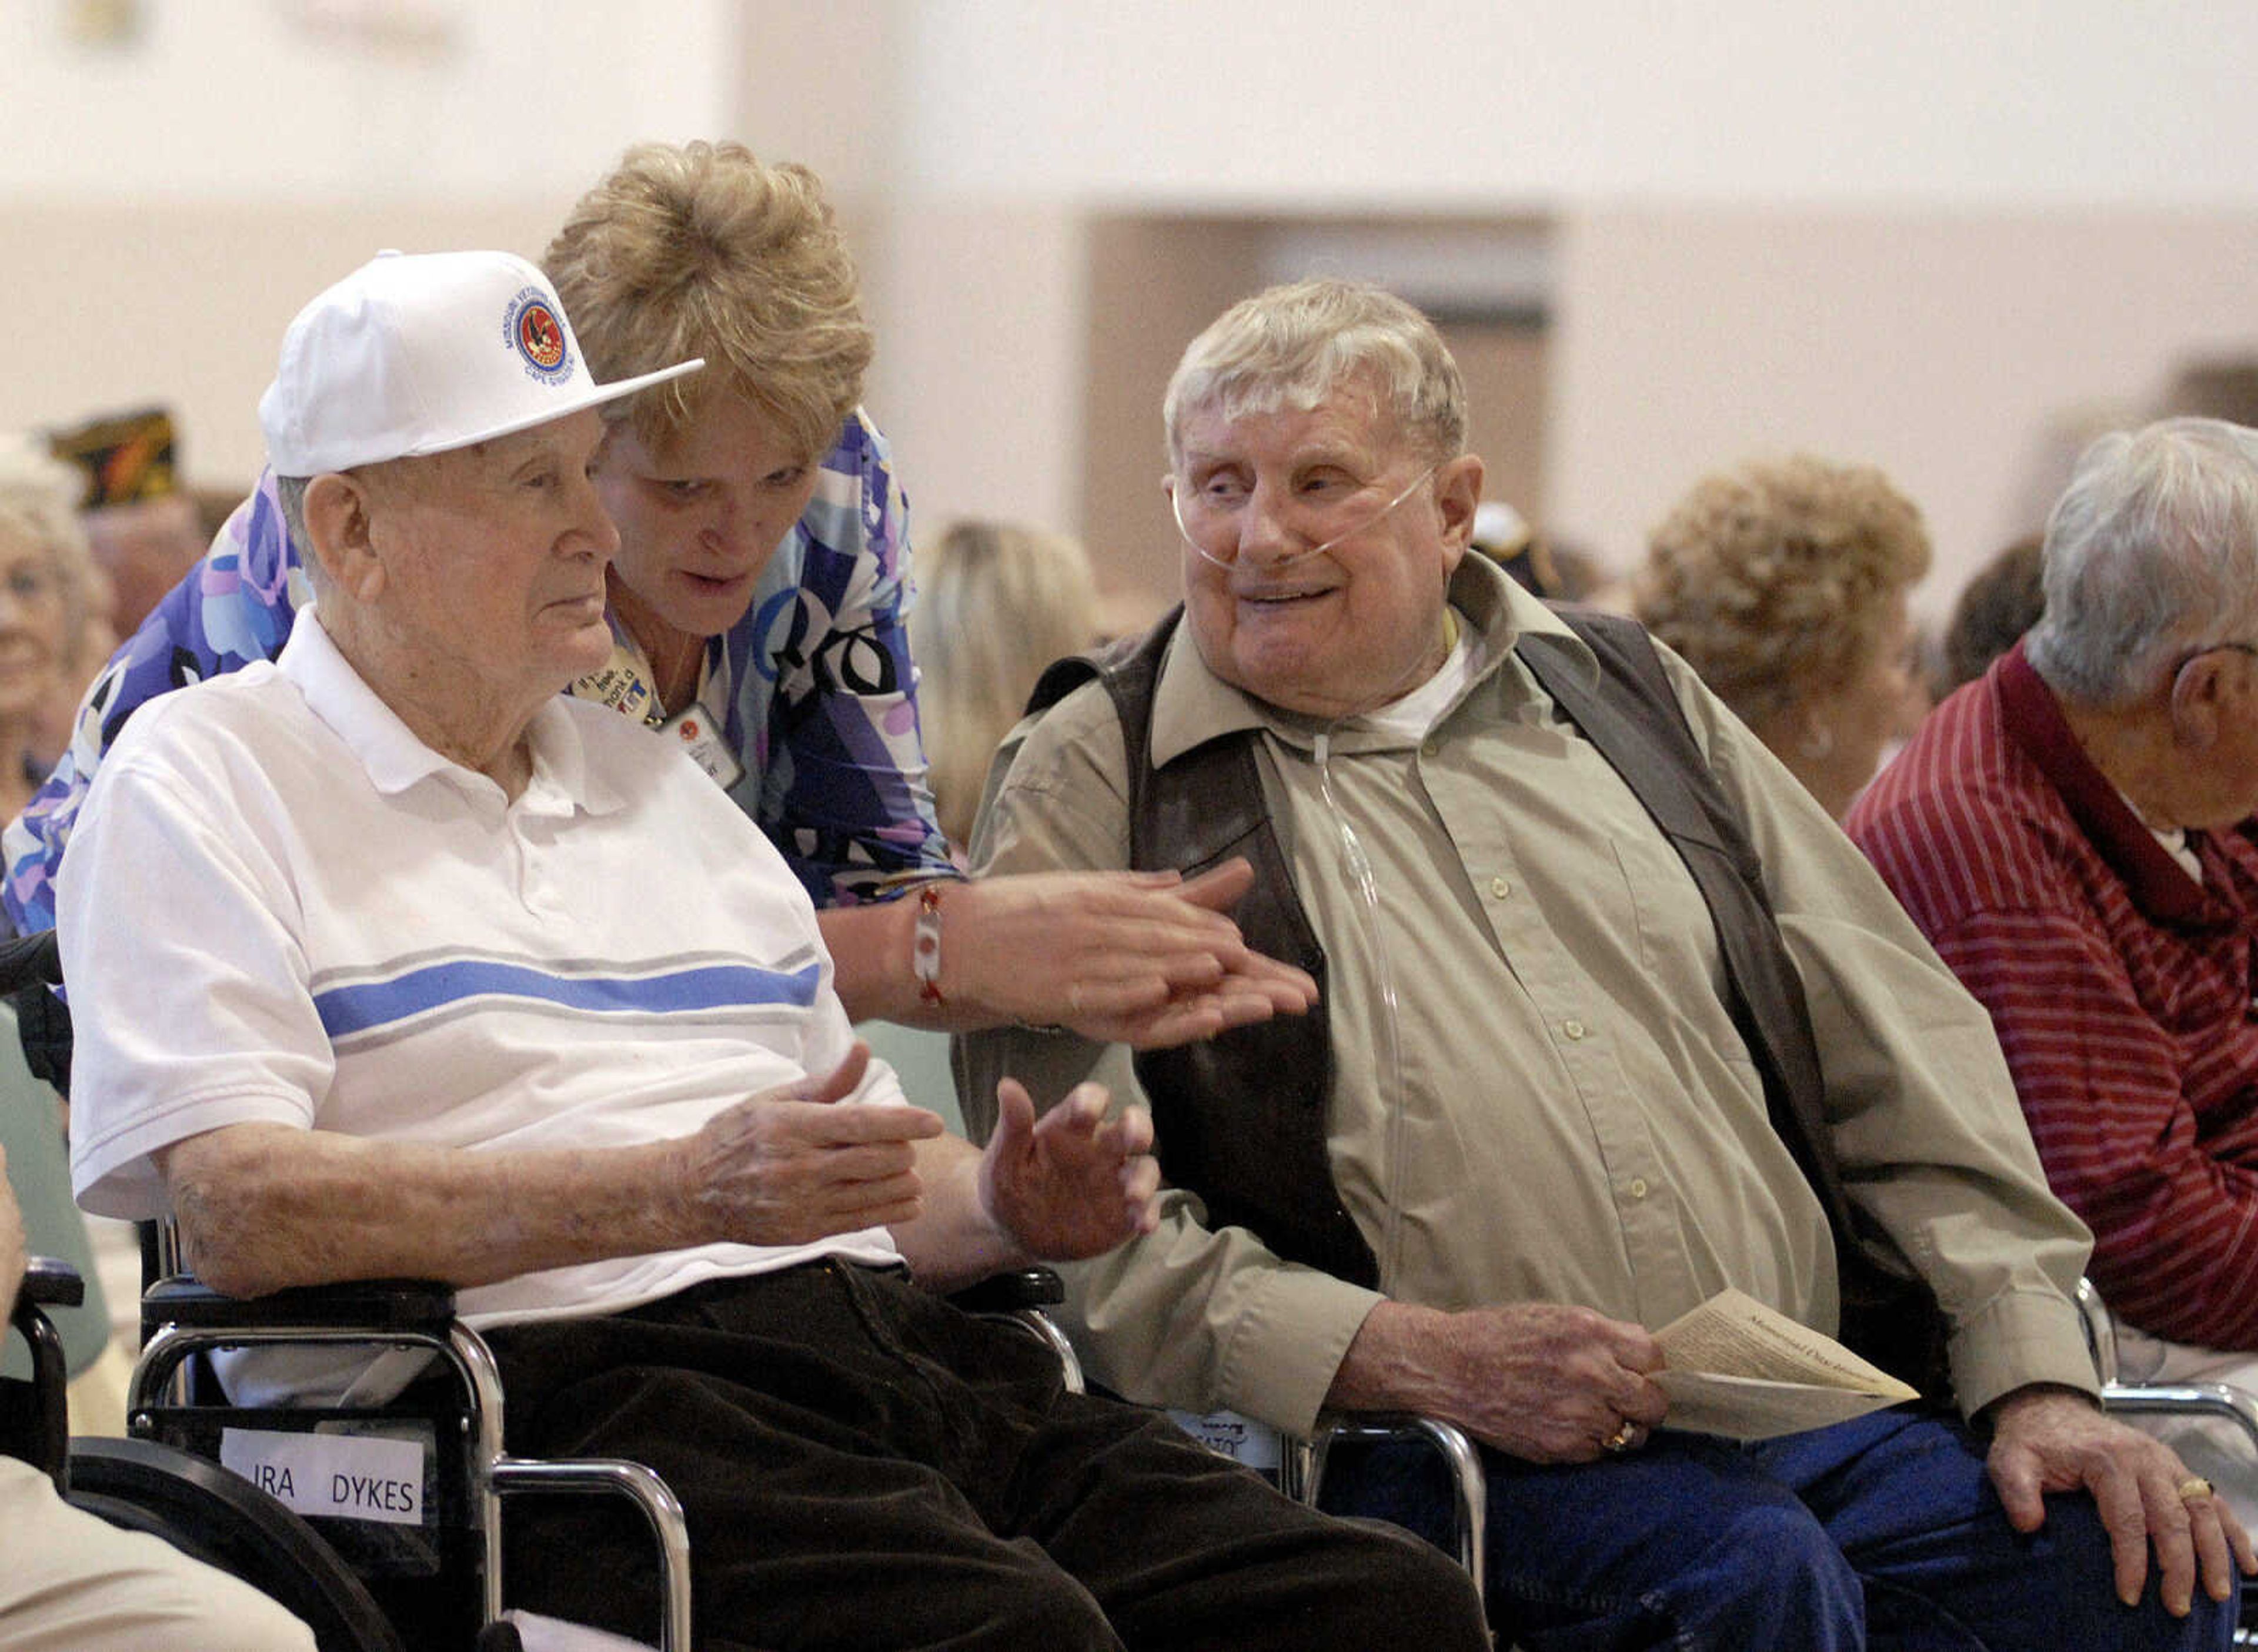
698	732
1253	1443
330	1476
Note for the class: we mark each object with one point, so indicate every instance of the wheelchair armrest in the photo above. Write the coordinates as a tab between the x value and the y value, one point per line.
1303	1470
1009	1293
52	1282
1018	1299
34	1417
2100	1331
383	1306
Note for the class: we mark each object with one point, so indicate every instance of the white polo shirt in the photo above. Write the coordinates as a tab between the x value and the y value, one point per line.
282	907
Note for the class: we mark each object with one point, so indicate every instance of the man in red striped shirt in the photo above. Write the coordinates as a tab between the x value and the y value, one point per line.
2074	833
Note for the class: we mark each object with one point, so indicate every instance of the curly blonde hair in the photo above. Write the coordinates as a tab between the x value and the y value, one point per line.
1773	580
702	250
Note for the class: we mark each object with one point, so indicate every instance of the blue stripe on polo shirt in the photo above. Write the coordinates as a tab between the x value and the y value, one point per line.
349	1011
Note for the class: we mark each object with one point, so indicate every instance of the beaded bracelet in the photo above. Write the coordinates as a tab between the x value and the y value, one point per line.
925	946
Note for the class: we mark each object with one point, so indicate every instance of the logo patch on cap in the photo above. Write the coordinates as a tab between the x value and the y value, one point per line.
538	336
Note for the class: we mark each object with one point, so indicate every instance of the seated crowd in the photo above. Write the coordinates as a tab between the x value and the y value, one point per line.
1377	990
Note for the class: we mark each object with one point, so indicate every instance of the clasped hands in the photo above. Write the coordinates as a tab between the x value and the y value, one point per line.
1146	958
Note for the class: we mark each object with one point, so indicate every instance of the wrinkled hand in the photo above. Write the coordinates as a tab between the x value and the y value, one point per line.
2057	1440
1146	958
1073	1183
1552	1383
788	1166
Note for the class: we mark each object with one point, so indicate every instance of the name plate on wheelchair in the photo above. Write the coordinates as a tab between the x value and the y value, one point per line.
331	1476
1253	1443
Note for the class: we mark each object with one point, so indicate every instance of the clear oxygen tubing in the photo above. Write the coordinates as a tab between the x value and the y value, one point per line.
1295	559
1356	866
1387	1032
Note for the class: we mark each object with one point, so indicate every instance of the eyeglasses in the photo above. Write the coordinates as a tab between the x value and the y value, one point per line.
1210	517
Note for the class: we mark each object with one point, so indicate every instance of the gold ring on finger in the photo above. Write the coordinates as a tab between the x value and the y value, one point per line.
1620	1439
2194	1489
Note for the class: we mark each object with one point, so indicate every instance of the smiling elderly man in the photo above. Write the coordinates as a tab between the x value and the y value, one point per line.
1552	1102
2075	834
389	960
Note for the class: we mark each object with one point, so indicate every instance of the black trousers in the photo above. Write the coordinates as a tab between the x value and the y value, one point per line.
865	1467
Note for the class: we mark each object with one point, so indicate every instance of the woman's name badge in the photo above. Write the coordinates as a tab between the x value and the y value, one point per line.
698	732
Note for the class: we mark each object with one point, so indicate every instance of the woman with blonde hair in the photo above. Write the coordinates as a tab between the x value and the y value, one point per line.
996	603
1783	584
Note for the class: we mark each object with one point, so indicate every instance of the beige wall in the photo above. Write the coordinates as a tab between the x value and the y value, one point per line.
1481	105
980	367
1152	283
1872	257
1942	346
111	308
1507	367
296	102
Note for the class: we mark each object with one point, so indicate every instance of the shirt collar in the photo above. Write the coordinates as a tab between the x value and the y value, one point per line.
1191	706
2032	716
396	759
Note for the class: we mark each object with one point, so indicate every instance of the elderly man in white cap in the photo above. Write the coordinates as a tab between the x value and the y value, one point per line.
432	972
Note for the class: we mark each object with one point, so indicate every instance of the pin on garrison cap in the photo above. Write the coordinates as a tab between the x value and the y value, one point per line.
126	457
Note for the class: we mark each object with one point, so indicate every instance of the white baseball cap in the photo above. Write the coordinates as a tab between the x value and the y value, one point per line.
426	353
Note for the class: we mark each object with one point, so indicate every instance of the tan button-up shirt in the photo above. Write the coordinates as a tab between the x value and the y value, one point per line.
1557	1107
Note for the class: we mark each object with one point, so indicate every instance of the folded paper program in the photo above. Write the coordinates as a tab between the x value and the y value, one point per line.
1738	1369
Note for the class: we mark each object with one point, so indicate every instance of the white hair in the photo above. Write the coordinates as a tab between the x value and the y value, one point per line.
1295	345
2151	553
290	497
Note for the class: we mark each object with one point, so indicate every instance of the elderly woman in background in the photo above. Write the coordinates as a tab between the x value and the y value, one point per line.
996	603
1783	583
52	626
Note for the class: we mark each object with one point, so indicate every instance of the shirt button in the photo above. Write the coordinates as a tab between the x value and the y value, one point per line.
1638	1187
1573	1028
1429	748
1500	888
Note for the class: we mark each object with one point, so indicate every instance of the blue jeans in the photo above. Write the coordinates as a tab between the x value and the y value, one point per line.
1885	1532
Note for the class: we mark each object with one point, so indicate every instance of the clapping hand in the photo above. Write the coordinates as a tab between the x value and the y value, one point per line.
1073	1183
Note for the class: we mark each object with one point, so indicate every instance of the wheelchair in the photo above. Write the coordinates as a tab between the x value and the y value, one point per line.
402	1546
202	1510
